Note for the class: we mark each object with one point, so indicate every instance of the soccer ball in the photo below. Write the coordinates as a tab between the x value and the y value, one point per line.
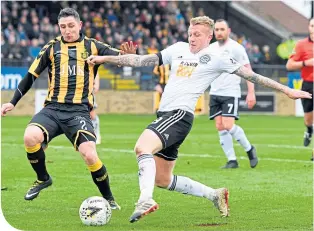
95	211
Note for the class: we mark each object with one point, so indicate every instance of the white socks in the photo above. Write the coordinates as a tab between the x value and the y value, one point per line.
188	186
226	143
239	135
146	175
96	126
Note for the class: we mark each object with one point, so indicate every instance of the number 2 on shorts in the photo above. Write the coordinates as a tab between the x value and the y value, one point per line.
83	122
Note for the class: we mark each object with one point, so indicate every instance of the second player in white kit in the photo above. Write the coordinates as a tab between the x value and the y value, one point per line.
225	93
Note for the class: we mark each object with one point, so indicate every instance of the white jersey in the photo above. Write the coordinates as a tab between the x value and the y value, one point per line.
229	84
190	75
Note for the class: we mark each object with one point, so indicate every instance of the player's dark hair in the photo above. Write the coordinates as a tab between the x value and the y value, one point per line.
67	12
223	20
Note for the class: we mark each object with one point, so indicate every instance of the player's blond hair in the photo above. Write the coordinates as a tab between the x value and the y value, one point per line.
203	20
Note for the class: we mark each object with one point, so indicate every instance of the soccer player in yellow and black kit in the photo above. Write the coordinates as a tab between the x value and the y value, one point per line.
68	103
162	72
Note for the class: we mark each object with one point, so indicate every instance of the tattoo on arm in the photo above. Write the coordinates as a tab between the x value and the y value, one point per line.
251	76
136	60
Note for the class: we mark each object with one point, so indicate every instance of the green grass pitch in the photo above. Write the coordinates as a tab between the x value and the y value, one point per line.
277	195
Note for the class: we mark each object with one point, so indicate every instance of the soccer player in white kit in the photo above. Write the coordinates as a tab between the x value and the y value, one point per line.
194	67
225	93
93	115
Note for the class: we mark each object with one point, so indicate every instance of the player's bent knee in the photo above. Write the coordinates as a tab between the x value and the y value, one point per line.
228	123
88	152
228	126
219	126
140	149
162	181
33	135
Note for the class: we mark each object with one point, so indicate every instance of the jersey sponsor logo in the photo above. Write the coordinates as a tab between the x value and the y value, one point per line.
72	70
189	64
204	59
185	69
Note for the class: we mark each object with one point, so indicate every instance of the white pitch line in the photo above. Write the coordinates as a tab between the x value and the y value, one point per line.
216	156
279	146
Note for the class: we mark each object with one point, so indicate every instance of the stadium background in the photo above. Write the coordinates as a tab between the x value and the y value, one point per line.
268	37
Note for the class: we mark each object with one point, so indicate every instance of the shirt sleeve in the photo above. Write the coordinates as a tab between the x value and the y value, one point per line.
241	56
105	49
227	64
297	52
23	88
167	53
41	61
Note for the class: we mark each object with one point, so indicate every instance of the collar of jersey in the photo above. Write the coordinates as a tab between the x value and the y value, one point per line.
79	39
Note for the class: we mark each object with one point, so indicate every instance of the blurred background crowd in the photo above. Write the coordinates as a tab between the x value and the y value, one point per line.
27	26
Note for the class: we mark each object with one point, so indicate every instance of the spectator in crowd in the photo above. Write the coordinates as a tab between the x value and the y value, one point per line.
21	34
14	49
5	49
256	54
111	16
266	59
34	49
24	51
153	49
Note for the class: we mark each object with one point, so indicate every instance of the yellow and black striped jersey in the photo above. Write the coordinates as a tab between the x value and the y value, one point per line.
70	78
163	73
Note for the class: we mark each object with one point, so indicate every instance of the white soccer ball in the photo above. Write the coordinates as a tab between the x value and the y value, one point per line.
95	211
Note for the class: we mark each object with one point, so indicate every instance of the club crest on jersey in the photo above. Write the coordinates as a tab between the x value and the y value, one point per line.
84	55
204	59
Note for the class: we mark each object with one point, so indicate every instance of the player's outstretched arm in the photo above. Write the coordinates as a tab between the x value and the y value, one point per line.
125	60
253	77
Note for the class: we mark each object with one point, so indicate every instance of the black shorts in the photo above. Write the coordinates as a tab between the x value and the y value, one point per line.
163	85
172	128
223	105
307	103
72	120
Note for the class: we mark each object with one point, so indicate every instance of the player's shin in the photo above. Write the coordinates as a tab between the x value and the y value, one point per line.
226	143
309	129
239	135
188	186
146	174
101	179
36	157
